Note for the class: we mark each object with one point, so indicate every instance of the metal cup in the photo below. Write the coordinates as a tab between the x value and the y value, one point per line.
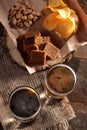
54	93
24	104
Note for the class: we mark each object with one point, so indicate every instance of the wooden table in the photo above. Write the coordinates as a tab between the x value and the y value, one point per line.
78	97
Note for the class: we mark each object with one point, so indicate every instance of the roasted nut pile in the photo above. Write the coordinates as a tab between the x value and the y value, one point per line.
22	14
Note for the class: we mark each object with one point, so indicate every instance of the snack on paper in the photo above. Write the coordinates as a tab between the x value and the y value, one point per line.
51	50
50	21
64	28
41	41
63	21
36	49
22	15
29	49
56	3
37	58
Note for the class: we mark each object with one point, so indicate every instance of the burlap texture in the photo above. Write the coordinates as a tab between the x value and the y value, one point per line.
53	115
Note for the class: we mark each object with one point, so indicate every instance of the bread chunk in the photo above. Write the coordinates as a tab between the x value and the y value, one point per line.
30	48
37	58
51	51
41	41
36	49
20	41
30	39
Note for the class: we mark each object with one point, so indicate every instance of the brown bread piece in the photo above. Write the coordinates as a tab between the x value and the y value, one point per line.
37	58
27	41
41	41
36	49
51	51
30	39
20	46
30	48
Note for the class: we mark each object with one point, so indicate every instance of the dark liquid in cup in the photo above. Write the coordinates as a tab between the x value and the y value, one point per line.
60	79
24	103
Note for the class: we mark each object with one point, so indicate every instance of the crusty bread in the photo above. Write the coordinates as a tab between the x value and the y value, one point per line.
41	41
51	50
20	41
36	49
30	48
37	58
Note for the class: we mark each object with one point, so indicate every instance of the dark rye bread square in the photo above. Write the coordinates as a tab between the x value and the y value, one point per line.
29	38
20	41
41	41
36	49
37	58
29	50
51	51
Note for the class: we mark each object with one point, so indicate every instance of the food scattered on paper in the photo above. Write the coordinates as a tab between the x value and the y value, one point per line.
50	21
56	3
64	28
36	49
22	14
62	20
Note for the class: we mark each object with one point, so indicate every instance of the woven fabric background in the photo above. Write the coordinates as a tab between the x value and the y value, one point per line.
12	76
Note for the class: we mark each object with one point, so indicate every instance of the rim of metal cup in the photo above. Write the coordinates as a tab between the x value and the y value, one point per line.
57	93
30	118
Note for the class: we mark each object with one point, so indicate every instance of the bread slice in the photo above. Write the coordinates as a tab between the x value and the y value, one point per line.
29	50
51	51
37	58
30	39
41	41
20	41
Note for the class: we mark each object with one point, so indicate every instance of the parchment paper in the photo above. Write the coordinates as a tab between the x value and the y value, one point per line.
69	46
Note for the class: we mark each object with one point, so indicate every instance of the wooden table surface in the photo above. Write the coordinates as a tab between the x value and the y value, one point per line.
78	97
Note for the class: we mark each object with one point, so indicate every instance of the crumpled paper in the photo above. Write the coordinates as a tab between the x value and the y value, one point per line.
69	46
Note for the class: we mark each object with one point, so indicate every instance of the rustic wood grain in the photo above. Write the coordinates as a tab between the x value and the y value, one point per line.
78	98
81	52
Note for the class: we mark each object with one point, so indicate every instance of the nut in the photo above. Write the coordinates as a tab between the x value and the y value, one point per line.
24	17
27	4
27	11
30	16
14	21
19	15
30	22
35	18
20	24
22	14
17	6
26	24
38	14
33	13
